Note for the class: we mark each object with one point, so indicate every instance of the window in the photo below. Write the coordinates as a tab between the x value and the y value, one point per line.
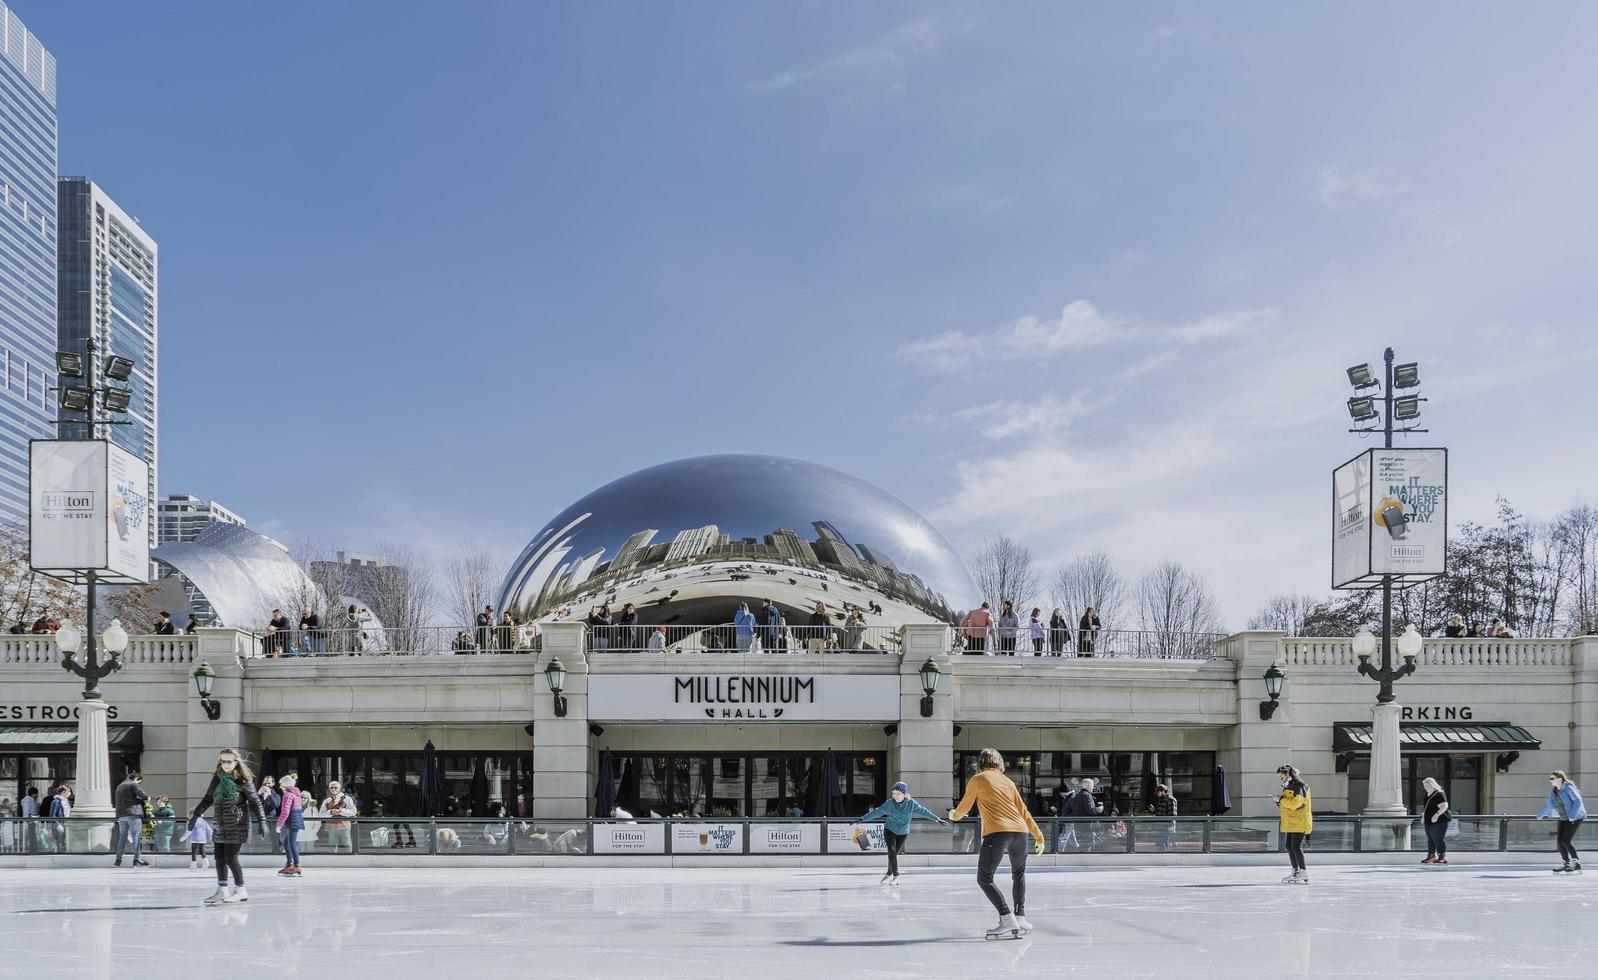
742	784
1126	780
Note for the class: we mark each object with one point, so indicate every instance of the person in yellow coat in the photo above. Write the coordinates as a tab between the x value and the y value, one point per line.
1006	825
1294	803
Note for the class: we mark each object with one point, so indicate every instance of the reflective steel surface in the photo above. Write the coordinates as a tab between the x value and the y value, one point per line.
687	540
243	574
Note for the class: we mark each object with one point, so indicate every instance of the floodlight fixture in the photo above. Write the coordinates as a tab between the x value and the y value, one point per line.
116	399
1407	407
118	368
1406	375
68	365
75	398
1362	409
1361	377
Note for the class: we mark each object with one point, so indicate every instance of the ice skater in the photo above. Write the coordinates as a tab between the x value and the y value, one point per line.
290	821
1005	826
237	804
1294	803
197	836
896	814
1564	802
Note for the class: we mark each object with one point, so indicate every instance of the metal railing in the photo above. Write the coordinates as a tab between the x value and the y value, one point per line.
841	637
418	641
1116	644
778	835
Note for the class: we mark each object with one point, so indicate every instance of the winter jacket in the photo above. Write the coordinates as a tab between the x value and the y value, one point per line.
1003	810
744	622
233	817
657	641
977	623
1296	817
338	806
1035	627
200	831
1575	808
1082	804
270	802
897	816
291	813
60	807
1009	624
130	799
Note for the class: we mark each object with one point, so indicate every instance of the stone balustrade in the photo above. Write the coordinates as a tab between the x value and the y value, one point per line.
1471	652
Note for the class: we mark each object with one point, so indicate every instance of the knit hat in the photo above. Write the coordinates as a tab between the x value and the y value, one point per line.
901	787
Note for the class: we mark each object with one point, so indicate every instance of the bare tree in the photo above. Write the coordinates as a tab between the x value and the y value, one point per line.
1286	612
1003	569
1091	580
470	581
135	606
25	594
405	599
1173	600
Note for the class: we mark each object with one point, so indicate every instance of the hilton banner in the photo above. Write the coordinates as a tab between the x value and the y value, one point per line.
743	697
89	511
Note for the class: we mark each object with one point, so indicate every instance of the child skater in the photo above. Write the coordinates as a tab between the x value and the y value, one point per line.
896	814
1006	823
198	836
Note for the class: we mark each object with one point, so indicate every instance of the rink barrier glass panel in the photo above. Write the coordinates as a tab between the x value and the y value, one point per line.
736	836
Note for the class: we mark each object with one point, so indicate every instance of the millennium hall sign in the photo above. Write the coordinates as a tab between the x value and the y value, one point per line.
743	697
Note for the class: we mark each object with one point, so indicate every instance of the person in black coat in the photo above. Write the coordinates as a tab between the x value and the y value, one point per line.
164	626
1059	633
1087	632
238	806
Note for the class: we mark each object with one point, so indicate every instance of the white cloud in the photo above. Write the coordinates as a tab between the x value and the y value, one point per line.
1080	326
1041	416
1339	188
1165	32
884	59
964	197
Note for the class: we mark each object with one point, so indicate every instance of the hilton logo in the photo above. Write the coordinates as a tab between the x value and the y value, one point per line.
754	697
68	505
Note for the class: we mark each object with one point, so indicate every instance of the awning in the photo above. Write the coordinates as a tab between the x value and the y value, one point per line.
48	739
1421	736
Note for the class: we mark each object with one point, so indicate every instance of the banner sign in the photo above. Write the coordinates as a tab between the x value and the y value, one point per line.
707	838
867	837
629	838
743	697
785	838
89	510
1390	518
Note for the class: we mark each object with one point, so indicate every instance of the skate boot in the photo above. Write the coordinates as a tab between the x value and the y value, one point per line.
194	866
1575	869
217	897
886	879
140	863
237	894
286	871
1302	878
1006	929
295	870
1292	878
1022	923
1564	869
206	862
895	880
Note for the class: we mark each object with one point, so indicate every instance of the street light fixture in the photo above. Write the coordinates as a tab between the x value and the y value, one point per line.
1407	407
1274	677
116	399
1410	645
118	368
931	674
555	674
204	681
1364	643
75	398
1406	375
68	365
1362	409
1361	377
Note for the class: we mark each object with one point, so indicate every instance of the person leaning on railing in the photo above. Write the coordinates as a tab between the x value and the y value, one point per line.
818	629
978	623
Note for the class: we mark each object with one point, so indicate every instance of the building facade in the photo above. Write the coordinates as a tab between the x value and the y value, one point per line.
107	276
735	735
181	517
27	255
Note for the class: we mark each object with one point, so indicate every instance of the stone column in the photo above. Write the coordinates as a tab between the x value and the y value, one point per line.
1386	783
561	758
1584	710
923	748
92	788
1253	748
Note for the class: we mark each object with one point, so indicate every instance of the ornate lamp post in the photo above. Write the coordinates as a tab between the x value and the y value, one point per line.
930	673
94	753
555	674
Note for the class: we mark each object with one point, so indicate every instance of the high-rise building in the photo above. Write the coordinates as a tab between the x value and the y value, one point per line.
181	517
366	579
27	255
632	550
106	275
693	542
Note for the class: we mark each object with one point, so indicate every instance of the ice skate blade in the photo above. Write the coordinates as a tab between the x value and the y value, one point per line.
1012	934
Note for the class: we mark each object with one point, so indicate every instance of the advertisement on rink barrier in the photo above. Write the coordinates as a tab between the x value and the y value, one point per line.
707	838
785	838
629	838
843	838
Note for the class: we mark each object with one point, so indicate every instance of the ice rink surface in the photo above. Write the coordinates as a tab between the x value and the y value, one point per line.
1460	921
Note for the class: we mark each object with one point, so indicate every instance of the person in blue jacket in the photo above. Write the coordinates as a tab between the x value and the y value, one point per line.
1564	802
743	622
896	814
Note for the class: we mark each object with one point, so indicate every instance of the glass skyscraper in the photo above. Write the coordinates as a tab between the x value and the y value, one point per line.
107	285
27	255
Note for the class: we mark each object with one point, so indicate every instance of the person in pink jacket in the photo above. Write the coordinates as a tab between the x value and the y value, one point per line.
290	821
978	624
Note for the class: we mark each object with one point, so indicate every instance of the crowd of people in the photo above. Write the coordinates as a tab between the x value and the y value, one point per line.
764	629
1457	628
980	633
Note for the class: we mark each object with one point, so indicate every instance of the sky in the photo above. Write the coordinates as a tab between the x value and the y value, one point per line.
1085	275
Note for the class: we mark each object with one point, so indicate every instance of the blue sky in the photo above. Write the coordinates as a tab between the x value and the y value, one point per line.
1084	275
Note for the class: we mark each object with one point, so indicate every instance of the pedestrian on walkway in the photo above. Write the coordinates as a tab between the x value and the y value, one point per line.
28	809
1059	633
1087	632
896	813
1005	826
743	623
1296	822
1436	818
165	824
1009	626
978	623
290	820
1564	802
237	806
1164	805
339	807
129	800
1036	631
60	813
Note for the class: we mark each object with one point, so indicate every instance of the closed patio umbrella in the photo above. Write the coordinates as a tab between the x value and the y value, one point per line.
431	786
1221	800
627	795
605	785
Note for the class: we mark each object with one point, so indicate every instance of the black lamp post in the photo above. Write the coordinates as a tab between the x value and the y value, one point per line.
931	674
555	674
204	681
1274	677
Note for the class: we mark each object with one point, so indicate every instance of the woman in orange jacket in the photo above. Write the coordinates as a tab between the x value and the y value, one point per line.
1005	826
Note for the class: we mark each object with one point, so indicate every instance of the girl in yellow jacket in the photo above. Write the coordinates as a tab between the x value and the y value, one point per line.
1294	803
1006	825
